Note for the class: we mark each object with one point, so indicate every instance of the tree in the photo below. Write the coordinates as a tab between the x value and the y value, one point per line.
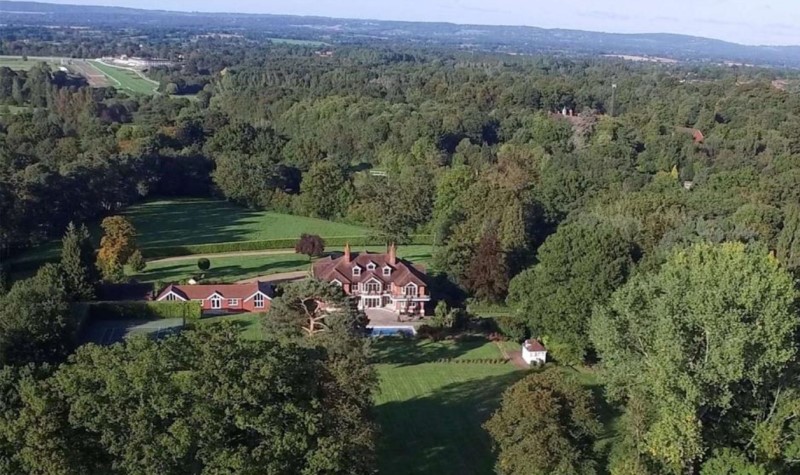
545	425
209	401
706	348
326	192
35	320
77	263
203	264
312	307
487	275
116	246
137	262
789	240
310	245
579	266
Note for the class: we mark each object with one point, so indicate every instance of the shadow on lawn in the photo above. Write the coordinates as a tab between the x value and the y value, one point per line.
409	352
442	434
228	273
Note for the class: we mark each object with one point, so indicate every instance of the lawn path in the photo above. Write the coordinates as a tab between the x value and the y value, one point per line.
280	277
271	252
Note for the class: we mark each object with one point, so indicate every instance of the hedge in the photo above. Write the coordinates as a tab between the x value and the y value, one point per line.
268	244
188	311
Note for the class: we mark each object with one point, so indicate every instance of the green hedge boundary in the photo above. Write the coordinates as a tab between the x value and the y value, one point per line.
188	311
268	244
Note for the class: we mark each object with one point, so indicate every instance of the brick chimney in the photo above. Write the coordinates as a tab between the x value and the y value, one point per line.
347	252
392	252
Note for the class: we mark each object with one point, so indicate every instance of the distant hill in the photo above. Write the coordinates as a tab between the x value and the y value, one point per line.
509	39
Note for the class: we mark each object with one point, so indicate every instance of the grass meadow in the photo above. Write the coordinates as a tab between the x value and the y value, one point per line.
17	64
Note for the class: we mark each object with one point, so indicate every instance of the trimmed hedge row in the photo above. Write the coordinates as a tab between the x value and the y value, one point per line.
473	360
267	244
188	311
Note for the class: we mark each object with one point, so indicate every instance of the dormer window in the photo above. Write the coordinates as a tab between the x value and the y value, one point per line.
371	266
387	271
356	271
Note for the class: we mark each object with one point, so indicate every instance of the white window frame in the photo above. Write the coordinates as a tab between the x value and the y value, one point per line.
410	294
337	282
371	266
216	302
356	271
387	271
372	284
233	302
258	301
170	297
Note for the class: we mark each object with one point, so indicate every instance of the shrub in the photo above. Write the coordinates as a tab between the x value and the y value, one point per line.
136	261
203	264
310	245
189	311
512	327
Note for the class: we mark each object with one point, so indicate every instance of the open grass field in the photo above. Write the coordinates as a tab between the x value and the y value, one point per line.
126	79
207	221
290	41
248	323
204	221
16	62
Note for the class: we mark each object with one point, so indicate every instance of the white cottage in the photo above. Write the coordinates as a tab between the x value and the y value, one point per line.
533	352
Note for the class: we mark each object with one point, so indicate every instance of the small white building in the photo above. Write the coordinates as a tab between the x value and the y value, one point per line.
533	352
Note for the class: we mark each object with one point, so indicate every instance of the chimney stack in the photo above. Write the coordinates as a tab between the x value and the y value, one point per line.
347	252
392	254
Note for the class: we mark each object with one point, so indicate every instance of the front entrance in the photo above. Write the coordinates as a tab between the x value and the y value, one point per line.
372	302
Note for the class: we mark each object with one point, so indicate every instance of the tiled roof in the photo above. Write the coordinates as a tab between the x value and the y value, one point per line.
339	268
228	291
534	345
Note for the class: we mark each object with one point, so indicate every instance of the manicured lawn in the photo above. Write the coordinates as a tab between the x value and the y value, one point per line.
431	416
226	269
126	79
204	221
248	323
412	352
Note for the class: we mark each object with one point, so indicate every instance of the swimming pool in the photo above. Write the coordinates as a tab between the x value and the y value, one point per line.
392	331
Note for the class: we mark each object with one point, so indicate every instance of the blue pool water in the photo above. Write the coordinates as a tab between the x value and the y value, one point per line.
392	331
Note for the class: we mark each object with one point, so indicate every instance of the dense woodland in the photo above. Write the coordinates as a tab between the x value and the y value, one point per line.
618	239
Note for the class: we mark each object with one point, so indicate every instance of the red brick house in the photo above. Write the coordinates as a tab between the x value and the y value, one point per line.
377	280
220	298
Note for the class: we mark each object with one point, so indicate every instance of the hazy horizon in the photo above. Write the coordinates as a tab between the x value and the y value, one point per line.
753	22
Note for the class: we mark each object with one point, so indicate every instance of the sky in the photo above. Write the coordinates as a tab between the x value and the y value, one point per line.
768	22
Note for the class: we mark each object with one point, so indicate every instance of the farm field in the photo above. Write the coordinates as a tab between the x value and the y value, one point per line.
16	62
126	79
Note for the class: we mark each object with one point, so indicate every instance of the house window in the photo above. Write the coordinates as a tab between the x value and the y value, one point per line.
371	266
387	271
233	302
411	290
356	271
372	286
259	301
216	302
171	297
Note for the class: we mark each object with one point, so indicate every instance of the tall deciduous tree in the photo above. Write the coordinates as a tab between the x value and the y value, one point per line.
116	246
579	266
78	263
35	321
546	425
789	239
487	275
707	348
325	190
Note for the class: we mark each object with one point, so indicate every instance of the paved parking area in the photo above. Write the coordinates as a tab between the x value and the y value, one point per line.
379	317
